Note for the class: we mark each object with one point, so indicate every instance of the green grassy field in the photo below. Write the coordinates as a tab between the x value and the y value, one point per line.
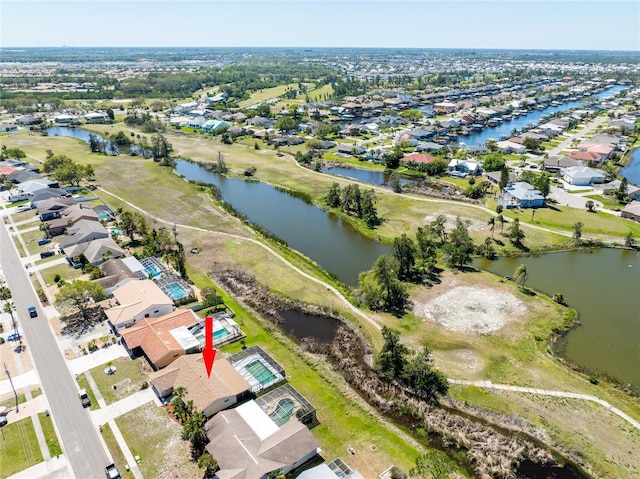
128	378
50	434
20	449
266	94
116	453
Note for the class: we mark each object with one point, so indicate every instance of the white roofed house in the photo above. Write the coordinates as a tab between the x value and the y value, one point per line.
137	300
521	195
583	176
247	443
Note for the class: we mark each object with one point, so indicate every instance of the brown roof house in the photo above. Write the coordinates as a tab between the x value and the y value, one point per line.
138	300
248	444
116	274
224	388
163	339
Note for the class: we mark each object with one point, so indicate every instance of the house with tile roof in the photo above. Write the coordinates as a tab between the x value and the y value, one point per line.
163	339
210	394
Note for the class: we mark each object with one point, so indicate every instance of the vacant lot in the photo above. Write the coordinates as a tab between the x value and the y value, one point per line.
130	376
153	436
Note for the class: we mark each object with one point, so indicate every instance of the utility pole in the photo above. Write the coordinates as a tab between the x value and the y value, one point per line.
6	370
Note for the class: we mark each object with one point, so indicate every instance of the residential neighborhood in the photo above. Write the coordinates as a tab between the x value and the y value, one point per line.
318	264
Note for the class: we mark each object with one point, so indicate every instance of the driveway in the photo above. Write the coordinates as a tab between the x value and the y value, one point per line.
568	199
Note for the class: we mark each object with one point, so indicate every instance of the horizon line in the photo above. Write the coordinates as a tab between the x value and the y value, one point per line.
291	47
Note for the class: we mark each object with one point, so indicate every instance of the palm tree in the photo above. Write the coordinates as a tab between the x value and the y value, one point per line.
577	233
492	225
521	275
502	221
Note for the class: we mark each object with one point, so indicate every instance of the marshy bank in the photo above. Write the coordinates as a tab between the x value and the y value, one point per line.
483	444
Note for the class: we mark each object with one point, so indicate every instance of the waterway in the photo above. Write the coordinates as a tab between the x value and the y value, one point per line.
603	286
632	171
533	117
110	148
324	237
373	177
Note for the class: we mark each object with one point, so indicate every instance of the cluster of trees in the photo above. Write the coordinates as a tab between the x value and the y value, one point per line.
78	296
354	202
398	363
540	181
11	153
193	422
383	287
65	170
144	120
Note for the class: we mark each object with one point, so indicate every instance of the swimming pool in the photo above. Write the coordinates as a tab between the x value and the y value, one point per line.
104	216
283	412
117	231
219	335
152	270
260	372
175	291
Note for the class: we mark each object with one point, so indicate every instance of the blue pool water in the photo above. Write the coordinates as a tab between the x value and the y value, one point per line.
153	272
117	231
175	291
219	335
104	217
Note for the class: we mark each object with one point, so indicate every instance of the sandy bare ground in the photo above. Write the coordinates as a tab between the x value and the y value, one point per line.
472	309
474	225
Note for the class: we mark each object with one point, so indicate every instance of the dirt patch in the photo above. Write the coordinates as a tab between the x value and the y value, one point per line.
474	225
459	361
472	309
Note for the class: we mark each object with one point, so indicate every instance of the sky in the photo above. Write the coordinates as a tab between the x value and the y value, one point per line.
513	24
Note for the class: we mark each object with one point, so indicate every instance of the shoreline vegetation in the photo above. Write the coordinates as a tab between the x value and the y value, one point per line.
117	166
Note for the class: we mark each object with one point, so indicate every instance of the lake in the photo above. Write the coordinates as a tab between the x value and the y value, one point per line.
374	177
603	286
324	237
83	135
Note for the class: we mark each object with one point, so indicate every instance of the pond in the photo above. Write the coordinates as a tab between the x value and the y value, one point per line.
301	325
602	285
324	237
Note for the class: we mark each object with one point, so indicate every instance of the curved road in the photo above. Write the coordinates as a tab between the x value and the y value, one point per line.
80	441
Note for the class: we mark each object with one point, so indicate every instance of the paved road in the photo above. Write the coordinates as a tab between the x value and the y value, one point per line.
80	440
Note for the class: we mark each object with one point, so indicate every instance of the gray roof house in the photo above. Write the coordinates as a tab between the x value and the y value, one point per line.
96	251
248	444
631	211
82	232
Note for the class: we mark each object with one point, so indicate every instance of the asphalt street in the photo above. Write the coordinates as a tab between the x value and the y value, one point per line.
80	440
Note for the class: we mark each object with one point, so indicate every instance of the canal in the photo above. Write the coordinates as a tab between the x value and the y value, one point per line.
324	237
603	286
533	117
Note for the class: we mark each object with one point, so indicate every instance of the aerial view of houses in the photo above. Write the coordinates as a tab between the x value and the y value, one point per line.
319	262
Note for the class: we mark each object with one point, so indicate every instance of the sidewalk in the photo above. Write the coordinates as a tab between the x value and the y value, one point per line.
27	409
97	358
117	409
54	468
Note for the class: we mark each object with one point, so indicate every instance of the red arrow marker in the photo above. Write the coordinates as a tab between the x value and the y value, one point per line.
208	353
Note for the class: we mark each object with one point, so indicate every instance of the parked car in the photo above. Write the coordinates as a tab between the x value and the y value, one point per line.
44	241
46	254
3	421
14	337
26	207
112	472
32	312
84	398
